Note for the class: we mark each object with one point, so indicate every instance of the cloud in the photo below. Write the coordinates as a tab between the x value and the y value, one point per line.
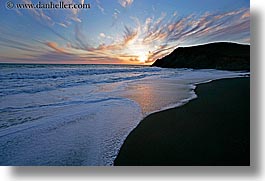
54	46
246	14
125	3
39	15
55	56
129	35
99	6
213	26
51	16
62	24
115	16
18	44
159	52
155	38
74	12
102	35
80	37
152	37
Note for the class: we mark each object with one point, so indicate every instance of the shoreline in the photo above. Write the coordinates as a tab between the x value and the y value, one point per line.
187	100
153	149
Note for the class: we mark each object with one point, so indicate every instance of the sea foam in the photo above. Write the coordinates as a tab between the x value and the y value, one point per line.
81	114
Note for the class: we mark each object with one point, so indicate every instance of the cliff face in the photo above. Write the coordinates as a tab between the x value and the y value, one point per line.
222	56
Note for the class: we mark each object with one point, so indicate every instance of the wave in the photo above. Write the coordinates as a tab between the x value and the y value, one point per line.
76	115
25	80
55	73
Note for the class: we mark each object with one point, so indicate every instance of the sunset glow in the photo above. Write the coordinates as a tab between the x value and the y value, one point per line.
142	58
117	32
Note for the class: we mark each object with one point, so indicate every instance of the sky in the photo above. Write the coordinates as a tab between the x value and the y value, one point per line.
117	31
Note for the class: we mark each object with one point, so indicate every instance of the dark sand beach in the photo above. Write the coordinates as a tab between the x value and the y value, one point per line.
213	129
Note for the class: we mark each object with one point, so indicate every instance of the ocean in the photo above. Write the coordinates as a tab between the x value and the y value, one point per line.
81	114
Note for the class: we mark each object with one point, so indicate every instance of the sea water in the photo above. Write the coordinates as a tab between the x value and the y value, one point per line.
81	114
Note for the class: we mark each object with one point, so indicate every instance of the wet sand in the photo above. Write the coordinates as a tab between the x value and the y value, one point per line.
213	129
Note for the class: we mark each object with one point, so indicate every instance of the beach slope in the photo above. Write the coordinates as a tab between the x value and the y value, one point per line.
213	129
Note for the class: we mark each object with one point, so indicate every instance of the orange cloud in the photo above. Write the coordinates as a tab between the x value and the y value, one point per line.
245	15
55	47
153	38
130	35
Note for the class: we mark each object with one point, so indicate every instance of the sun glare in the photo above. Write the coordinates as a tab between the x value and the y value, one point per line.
142	58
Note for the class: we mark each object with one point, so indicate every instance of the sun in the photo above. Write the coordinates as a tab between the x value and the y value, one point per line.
142	58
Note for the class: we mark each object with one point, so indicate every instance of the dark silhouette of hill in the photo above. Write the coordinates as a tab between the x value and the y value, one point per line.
222	56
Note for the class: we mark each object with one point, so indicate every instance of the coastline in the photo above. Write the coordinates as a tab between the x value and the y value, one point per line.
210	130
37	115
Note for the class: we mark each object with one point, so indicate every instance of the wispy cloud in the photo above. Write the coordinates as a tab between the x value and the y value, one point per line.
125	3
100	7
129	34
80	37
54	46
154	39
38	14
140	41
45	16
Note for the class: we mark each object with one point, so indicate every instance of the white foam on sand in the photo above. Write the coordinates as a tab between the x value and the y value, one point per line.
81	115
83	134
